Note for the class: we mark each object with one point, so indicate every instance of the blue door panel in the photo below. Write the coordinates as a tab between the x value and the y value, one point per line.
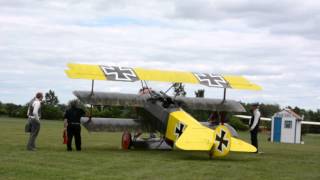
277	129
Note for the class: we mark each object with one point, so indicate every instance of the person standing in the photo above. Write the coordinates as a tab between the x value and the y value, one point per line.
72	124
34	116
254	125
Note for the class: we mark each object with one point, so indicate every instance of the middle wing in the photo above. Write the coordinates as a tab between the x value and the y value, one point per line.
249	117
269	119
111	99
110	124
134	100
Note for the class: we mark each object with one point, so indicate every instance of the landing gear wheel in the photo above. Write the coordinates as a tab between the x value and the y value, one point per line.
210	155
126	140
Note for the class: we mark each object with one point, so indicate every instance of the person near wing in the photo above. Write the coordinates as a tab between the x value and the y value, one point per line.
254	125
34	116
72	124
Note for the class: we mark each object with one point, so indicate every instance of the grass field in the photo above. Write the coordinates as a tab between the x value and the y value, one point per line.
102	158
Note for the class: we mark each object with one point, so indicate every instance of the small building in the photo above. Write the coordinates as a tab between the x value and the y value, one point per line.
286	127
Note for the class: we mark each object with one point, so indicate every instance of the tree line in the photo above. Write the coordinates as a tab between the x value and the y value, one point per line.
53	110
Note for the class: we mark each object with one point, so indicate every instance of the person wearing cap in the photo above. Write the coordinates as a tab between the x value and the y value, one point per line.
34	116
72	124
254	124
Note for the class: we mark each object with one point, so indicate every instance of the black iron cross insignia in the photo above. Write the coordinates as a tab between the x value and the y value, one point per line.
115	73
179	129
221	140
212	80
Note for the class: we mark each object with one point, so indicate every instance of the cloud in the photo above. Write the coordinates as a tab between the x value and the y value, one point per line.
279	17
260	40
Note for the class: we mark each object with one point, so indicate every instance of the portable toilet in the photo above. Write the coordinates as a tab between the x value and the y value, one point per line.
286	127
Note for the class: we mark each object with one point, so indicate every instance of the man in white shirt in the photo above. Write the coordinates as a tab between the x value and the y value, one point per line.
34	118
254	125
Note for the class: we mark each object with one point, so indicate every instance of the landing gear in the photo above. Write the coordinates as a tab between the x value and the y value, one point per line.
210	155
126	140
135	142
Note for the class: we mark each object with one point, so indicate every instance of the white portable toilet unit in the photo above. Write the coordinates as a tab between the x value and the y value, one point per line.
286	127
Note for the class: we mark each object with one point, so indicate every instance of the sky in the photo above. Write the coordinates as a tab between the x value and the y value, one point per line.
274	43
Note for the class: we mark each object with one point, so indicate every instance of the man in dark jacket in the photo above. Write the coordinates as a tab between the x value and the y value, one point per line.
72	124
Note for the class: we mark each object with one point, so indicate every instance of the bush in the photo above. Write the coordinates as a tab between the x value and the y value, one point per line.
20	112
11	109
3	111
200	115
51	112
238	124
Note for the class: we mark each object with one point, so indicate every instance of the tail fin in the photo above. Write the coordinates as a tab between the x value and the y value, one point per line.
238	145
196	139
218	142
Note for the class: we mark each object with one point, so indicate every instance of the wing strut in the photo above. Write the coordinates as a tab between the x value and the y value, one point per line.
222	102
92	86
91	106
224	95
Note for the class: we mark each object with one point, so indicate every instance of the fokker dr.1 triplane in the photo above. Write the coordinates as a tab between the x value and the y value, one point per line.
161	113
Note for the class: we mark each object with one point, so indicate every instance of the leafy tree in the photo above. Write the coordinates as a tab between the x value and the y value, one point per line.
267	110
51	98
20	112
11	109
3	110
63	107
237	124
314	116
51	112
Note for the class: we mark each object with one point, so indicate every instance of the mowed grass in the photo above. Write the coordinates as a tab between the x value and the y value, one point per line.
102	158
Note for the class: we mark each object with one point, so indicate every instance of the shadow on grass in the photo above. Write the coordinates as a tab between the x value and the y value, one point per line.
151	154
177	155
228	158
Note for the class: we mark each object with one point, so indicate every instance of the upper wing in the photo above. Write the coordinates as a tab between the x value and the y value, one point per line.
115	73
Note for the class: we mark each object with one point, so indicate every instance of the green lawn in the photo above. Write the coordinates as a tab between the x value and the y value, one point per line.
102	158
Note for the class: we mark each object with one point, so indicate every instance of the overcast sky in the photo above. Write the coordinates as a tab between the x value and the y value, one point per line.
274	43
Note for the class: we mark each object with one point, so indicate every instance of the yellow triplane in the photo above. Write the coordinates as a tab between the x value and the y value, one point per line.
158	112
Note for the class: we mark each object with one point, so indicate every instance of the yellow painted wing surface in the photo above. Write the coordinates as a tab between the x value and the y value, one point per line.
239	82
238	145
84	71
165	76
196	139
202	139
126	74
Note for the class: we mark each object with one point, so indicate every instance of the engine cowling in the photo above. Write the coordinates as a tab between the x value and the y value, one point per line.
222	142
